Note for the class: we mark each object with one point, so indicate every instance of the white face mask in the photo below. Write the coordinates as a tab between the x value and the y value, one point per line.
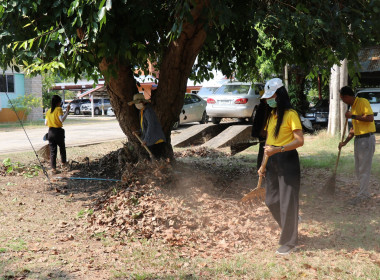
139	106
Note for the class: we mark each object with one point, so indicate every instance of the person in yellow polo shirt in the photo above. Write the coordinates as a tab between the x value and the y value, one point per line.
284	136
364	147
56	134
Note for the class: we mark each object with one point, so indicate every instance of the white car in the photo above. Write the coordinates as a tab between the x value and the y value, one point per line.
98	105
234	100
193	110
373	96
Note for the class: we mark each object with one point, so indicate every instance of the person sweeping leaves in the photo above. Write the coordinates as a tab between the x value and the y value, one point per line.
151	131
284	136
364	147
56	135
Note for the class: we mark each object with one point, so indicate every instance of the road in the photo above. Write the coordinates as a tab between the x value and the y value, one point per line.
76	135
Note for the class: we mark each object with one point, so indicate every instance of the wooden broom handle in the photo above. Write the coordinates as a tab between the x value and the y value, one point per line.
343	134
263	165
142	143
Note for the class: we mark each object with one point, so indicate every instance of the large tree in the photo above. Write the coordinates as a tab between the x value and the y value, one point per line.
115	38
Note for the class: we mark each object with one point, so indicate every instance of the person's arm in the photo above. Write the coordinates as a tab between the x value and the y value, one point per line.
297	142
64	116
362	118
348	139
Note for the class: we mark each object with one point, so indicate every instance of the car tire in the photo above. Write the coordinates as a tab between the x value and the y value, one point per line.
77	111
252	118
175	125
215	120
204	118
96	111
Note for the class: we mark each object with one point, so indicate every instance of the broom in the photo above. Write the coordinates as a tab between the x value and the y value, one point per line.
330	185
44	152
142	144
257	194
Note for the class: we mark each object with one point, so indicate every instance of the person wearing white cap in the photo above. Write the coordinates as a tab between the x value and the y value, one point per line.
282	172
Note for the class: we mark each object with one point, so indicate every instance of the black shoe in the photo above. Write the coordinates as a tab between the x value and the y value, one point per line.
285	250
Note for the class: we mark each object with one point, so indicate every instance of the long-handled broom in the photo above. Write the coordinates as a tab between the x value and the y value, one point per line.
143	144
258	193
329	188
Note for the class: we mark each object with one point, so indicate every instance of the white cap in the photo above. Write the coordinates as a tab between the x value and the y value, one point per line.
271	87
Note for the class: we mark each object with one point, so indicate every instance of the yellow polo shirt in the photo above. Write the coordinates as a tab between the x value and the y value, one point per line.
53	118
290	123
362	107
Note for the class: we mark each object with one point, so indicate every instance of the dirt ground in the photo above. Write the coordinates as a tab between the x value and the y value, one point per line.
183	221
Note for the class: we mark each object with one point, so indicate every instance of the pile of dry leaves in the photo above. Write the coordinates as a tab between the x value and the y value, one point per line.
199	152
168	202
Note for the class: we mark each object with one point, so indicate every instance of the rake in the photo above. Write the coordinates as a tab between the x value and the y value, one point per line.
329	188
258	193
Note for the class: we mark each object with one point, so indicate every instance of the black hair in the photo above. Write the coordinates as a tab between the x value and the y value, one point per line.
55	102
346	91
283	104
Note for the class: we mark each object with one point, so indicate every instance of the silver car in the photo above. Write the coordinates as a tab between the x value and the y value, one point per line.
193	110
98	105
234	100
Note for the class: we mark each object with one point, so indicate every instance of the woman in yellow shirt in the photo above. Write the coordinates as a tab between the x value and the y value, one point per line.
284	136
56	134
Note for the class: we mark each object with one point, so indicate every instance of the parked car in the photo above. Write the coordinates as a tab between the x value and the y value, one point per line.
373	96
319	114
193	110
234	100
75	105
98	105
209	87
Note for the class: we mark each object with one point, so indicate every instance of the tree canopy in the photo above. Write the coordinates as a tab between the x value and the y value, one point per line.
96	38
74	35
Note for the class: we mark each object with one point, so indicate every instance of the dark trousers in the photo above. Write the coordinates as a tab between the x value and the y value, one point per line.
282	193
158	150
56	138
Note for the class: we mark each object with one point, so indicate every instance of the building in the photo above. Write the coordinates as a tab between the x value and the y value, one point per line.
15	85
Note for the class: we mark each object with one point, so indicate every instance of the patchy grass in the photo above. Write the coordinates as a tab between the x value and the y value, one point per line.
44	233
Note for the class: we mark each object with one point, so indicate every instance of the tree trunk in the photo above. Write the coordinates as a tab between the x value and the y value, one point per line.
168	99
121	90
338	79
175	70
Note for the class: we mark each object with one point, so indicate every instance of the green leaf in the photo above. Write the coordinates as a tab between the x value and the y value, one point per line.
101	14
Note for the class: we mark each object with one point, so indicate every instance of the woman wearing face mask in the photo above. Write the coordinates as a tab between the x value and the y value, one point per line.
151	130
56	135
284	136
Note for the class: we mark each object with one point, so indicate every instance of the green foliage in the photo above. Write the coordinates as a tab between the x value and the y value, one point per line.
13	168
246	39
26	103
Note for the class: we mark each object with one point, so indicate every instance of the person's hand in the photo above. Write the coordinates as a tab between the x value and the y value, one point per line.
341	144
261	171
68	107
348	114
270	150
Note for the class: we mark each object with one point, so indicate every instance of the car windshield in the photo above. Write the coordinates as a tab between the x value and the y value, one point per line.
233	89
372	97
207	91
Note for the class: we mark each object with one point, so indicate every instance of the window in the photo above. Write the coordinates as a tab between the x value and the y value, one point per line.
194	91
7	83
